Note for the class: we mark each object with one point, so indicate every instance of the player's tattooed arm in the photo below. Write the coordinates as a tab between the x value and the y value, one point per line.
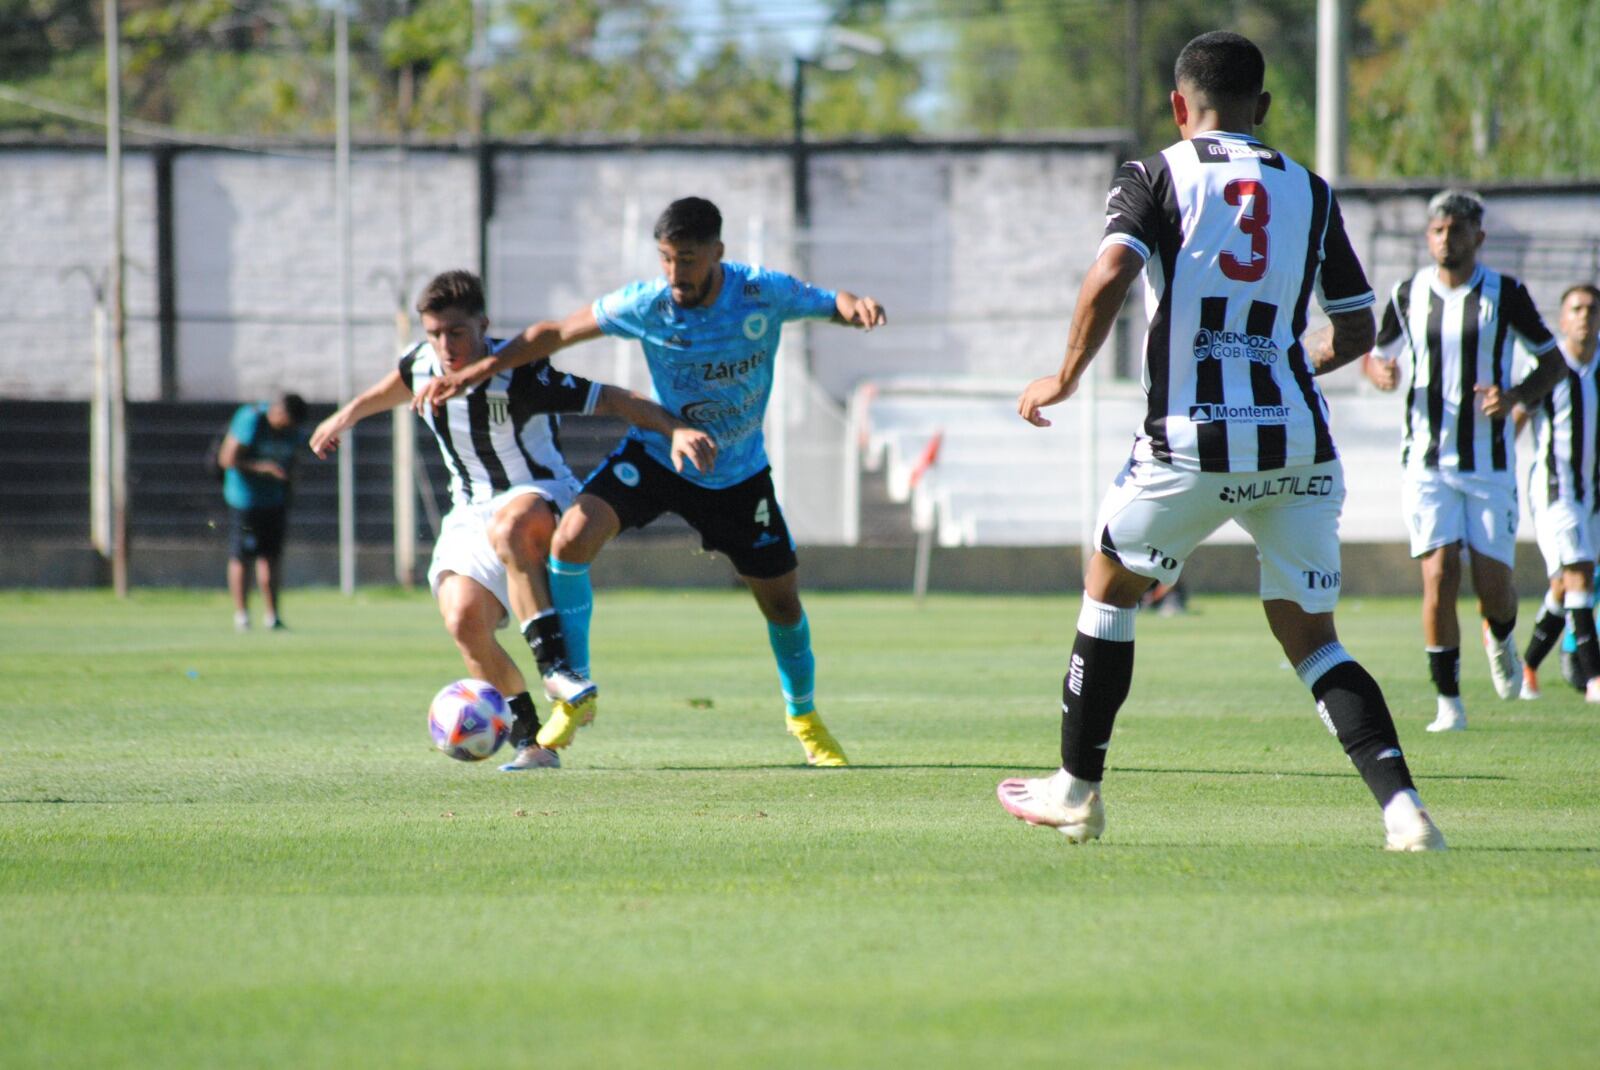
689	444
1348	336
533	344
381	396
853	311
1100	299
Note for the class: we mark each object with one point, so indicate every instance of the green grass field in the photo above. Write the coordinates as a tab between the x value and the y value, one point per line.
241	850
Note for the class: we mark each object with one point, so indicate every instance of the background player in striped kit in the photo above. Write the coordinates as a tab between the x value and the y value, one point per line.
1233	239
509	484
709	329
1564	493
1449	331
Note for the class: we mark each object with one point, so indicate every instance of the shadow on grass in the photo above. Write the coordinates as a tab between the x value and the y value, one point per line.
1013	767
1300	773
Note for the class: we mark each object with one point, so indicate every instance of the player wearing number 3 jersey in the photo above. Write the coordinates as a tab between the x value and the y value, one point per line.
1234	239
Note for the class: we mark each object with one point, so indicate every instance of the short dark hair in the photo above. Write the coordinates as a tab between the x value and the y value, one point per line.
1457	204
692	219
294	406
1221	66
1579	288
453	289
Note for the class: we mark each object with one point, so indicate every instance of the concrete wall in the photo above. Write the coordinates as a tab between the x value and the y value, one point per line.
976	250
257	281
55	216
964	243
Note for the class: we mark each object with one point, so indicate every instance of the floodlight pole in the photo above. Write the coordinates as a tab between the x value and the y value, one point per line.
1333	45
341	182
118	369
797	148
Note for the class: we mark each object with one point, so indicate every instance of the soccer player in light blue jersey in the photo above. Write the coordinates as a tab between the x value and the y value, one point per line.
709	329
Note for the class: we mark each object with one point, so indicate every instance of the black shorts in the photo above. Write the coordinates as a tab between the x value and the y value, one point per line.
256	532
742	521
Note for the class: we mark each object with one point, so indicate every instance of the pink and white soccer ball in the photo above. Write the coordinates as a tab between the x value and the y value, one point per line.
469	720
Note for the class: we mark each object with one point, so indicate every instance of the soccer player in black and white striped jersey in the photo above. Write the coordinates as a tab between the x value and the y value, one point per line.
1447	332
1234	239
508	484
1564	493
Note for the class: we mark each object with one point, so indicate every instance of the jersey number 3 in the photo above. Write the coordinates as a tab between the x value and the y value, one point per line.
1253	221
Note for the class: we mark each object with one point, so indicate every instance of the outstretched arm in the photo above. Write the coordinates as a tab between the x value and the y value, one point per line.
381	396
533	344
853	311
1100	299
688	443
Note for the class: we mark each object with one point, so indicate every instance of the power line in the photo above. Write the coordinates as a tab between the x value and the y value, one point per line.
154	131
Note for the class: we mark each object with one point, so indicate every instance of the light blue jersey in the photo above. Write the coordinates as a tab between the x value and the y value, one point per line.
712	366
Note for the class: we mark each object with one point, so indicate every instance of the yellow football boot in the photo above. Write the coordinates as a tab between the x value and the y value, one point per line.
564	721
821	748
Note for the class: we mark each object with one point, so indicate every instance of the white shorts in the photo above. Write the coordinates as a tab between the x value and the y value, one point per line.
463	546
1446	508
1566	532
1154	516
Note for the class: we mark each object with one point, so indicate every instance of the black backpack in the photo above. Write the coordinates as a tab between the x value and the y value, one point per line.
213	458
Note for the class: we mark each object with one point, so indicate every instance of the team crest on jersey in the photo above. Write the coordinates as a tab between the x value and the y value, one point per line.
627	474
499	407
755	325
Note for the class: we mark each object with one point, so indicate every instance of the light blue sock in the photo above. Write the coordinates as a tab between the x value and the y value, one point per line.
574	597
797	669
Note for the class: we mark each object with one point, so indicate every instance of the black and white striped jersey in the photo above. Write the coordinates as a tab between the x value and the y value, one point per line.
1566	433
1449	341
1236	238
504	432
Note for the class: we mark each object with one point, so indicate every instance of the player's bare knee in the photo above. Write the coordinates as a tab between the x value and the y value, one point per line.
523	537
578	539
1442	568
782	611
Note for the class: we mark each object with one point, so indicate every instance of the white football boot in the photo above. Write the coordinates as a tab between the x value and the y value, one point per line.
561	684
1407	826
1072	808
1452	716
532	757
1505	664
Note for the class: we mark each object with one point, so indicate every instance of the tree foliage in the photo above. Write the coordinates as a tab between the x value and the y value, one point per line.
1026	65
1478	89
561	68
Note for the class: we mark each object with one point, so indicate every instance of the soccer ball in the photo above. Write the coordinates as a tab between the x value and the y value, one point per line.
468	720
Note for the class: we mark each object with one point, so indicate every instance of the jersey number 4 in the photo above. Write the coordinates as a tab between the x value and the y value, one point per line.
1252	221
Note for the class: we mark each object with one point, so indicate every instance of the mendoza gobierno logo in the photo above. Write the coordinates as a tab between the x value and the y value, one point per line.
1234	345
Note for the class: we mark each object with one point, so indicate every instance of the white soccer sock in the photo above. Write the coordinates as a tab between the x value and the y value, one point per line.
1403	811
523	627
1070	790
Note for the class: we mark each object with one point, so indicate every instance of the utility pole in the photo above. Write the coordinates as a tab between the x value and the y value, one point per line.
1134	72
118	377
341	196
1333	48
